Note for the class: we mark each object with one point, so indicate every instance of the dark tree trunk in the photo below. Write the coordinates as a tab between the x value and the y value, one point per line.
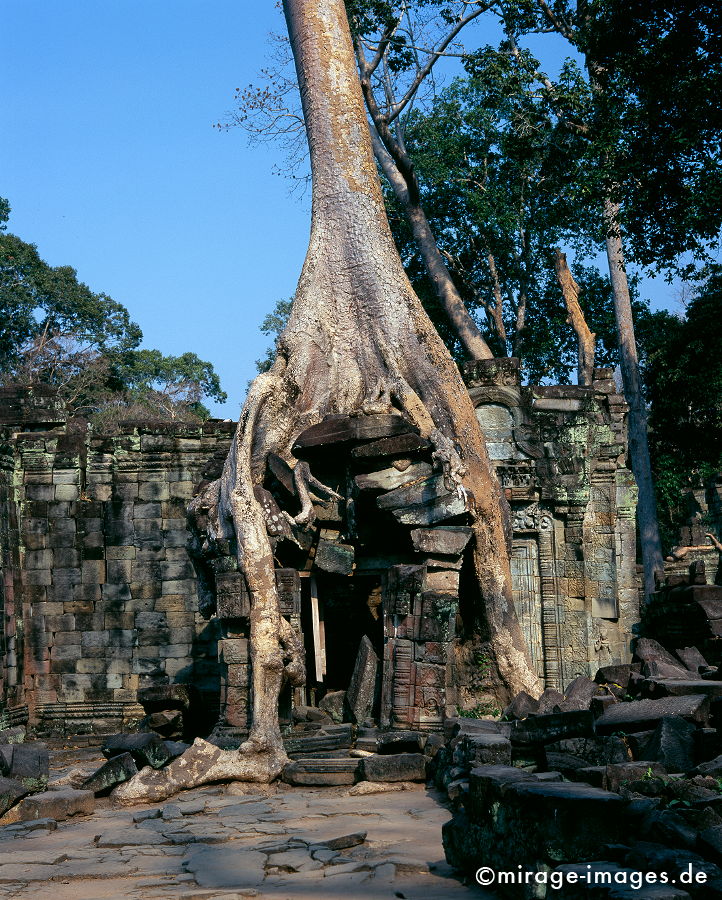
637	428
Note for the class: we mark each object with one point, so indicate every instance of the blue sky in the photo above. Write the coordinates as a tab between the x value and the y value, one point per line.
111	164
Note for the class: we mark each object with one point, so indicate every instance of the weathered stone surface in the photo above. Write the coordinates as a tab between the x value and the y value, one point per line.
333	704
655	688
618	675
424	502
395	445
14	735
550	701
176	748
330	737
338	429
28	763
321	772
391	478
395	767
521	706
622	774
553	727
658	661
672	745
401	742
578	695
147	749
641	715
578	753
334	557
486	750
342	842
117	770
362	689
382	787
158	697
10	792
215	867
692	659
56	805
446	540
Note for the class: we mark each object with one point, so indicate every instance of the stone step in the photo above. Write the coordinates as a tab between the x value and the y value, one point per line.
321	772
336	738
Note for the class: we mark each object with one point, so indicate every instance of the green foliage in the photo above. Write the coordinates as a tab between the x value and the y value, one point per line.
480	711
54	329
684	383
273	325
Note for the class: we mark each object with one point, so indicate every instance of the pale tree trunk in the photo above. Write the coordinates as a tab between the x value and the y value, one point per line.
406	191
585	337
358	341
637	423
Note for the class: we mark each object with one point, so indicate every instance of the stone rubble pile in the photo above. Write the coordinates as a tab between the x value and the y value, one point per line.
621	771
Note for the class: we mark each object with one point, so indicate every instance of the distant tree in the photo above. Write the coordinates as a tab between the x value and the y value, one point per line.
55	330
272	326
684	383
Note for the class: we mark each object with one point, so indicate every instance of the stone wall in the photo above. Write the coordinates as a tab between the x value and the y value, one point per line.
560	453
105	591
100	596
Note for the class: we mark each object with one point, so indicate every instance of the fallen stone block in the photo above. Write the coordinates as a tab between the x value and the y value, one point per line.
336	737
14	735
692	659
10	792
397	767
321	772
658	661
342	842
656	688
622	774
160	697
117	770
58	805
167	722
28	763
521	706
486	750
641	715
383	787
553	727
147	749
582	752
176	748
487	785
578	695
618	675
550	701
672	745
401	742
333	705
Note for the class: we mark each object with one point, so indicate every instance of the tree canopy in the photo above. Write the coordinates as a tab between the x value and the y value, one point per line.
54	329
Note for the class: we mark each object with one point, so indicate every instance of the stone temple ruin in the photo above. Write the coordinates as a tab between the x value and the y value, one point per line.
106	592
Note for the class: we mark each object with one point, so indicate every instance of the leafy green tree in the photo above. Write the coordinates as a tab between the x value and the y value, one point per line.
684	382
54	329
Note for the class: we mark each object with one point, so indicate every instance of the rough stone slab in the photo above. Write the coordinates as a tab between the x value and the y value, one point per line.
395	767
342	842
424	491
10	792
158	697
438	510
641	715
486	749
553	727
28	763
334	557
330	738
131	837
656	688
446	540
339	429
618	675
56	805
391	478
117	770
362	689
396	445
147	749
215	867
321	772
672	745
382	787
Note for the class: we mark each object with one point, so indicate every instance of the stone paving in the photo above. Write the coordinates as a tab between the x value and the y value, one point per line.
232	841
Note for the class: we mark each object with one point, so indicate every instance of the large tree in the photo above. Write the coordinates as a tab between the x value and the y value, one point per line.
358	342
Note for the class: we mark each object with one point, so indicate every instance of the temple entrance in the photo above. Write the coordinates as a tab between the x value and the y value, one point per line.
337	612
